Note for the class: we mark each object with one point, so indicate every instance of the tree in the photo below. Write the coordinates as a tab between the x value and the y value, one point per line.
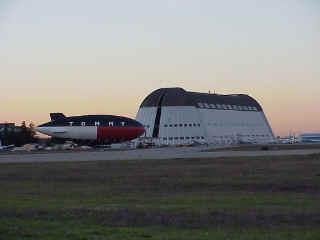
31	133
19	135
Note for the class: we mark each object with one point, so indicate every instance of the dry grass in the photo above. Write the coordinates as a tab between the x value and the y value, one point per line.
259	191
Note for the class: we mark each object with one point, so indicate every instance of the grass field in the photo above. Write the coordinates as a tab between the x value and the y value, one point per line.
221	198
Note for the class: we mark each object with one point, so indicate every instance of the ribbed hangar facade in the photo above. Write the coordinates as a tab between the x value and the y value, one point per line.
175	116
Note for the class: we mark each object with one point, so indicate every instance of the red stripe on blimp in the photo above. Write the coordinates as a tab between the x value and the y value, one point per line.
119	132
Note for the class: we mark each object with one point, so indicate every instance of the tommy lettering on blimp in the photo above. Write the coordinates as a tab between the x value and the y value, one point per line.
101	128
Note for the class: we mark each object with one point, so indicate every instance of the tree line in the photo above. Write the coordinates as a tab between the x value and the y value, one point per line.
19	135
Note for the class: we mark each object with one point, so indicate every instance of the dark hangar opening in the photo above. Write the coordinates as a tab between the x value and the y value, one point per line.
156	128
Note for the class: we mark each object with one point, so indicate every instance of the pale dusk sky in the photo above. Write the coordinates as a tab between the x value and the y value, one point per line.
104	57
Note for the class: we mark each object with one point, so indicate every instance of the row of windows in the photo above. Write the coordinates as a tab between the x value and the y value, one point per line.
201	137
227	107
183	125
253	135
213	124
234	124
178	125
182	138
198	137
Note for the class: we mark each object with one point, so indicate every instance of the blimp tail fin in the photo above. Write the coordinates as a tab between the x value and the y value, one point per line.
55	116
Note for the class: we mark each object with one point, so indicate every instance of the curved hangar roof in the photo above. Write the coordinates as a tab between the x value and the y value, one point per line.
180	97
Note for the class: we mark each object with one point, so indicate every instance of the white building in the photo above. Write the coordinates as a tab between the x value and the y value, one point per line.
175	116
310	138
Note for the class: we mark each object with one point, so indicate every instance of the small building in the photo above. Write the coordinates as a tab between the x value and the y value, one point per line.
7	126
310	138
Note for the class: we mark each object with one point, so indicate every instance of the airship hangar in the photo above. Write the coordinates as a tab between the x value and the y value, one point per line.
175	116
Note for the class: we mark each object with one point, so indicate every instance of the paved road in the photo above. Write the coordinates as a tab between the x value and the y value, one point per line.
159	153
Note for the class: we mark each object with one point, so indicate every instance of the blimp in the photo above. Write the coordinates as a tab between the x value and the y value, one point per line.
100	128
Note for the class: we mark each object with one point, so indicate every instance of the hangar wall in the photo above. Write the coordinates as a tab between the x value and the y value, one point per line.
175	116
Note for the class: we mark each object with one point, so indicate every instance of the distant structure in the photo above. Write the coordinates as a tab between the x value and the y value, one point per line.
5	130
7	126
310	138
175	116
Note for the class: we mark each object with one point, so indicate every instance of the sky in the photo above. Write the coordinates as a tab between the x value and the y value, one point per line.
104	57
